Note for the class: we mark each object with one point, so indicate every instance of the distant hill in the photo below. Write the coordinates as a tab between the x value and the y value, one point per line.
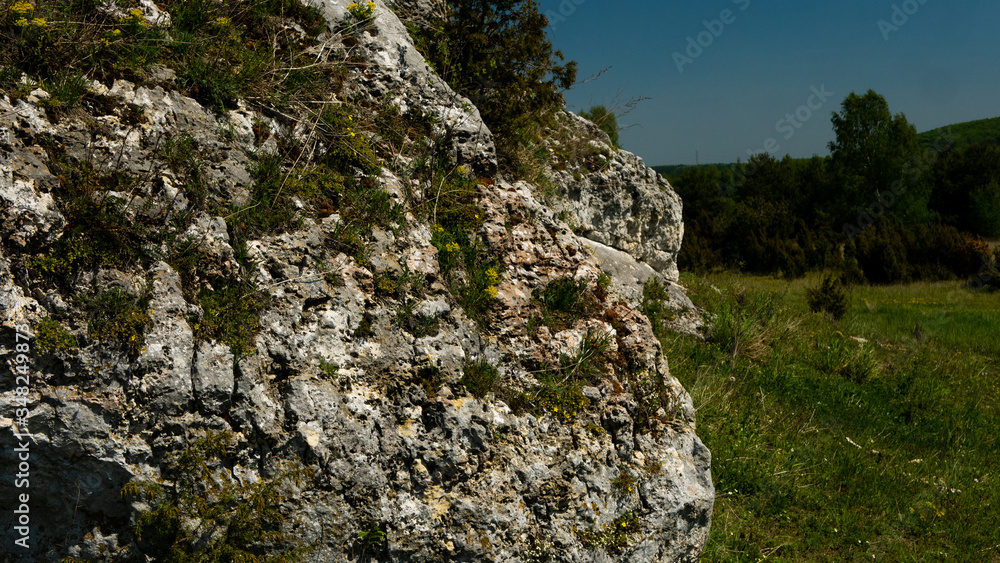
965	134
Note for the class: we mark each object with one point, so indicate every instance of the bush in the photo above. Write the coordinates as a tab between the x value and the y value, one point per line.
496	53
830	296
480	378
118	317
50	336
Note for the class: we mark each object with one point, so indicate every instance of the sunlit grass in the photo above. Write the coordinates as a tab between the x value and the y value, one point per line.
872	438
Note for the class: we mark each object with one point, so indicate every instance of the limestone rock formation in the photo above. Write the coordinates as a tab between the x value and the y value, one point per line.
357	365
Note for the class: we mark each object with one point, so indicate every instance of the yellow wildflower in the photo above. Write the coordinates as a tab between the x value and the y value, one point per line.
39	22
22	8
21	22
452	247
460	170
492	277
222	21
492	292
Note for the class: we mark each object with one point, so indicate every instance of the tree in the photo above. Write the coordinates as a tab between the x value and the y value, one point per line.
875	158
496	53
605	119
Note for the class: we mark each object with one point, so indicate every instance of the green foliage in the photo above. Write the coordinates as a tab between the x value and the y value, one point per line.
872	153
614	537
496	53
203	514
117	317
745	323
230	301
349	147
329	370
830	296
361	11
102	229
560	390
564	301
655	301
480	378
606	120
471	271
625	484
50	336
220	51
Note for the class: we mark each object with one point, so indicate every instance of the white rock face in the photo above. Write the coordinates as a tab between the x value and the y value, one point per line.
620	202
363	385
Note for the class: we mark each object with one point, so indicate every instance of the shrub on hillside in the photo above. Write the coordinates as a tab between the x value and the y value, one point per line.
496	53
829	296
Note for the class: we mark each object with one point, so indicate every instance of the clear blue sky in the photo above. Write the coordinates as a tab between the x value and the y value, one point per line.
939	64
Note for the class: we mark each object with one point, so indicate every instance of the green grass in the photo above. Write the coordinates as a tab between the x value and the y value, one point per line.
826	448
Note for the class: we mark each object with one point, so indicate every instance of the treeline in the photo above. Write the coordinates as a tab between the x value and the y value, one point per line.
881	208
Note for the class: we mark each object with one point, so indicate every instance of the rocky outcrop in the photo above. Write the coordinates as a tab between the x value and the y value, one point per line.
359	383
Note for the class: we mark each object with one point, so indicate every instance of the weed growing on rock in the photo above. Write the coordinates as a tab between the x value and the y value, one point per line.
614	537
202	514
329	370
480	378
563	302
107	225
118	317
370	539
655	299
560	390
469	269
625	484
50	336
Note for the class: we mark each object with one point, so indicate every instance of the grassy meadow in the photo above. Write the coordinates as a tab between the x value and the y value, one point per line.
871	438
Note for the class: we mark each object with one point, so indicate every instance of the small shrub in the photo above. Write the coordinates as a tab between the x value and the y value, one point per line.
830	296
102	230
329	370
371	538
361	11
118	317
745	323
560	390
654	305
480	378
50	336
563	301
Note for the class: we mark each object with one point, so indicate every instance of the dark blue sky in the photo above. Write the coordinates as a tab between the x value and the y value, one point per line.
938	64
